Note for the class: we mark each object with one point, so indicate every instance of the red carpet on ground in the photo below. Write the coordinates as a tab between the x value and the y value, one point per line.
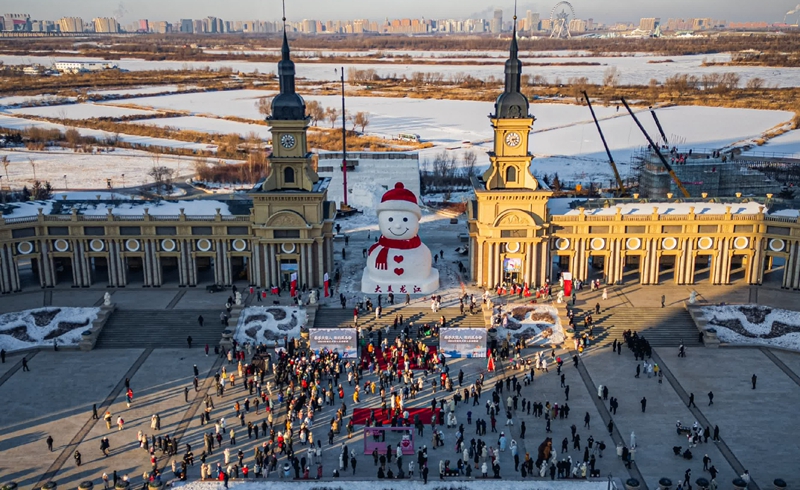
360	415
383	361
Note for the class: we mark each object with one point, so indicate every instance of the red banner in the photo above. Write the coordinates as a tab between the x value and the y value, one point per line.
293	289
327	283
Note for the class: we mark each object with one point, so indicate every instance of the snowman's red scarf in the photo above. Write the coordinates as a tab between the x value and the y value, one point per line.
386	243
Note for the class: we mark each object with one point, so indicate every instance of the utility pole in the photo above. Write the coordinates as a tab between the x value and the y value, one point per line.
344	145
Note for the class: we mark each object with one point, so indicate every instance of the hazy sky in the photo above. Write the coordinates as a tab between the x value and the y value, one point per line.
600	10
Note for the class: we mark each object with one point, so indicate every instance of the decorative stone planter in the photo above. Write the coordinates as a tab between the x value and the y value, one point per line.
664	484
12	485
122	485
51	485
739	484
155	485
569	333
227	334
86	485
632	484
779	484
702	483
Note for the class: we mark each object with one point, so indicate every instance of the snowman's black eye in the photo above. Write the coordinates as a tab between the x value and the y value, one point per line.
391	219
405	219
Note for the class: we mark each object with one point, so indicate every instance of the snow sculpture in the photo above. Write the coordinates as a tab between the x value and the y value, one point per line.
693	297
106	299
560	297
399	263
312	297
238	298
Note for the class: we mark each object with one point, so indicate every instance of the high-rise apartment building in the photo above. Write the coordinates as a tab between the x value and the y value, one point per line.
186	26
497	22
211	25
649	23
531	21
144	25
309	26
70	24
105	24
577	25
16	22
161	27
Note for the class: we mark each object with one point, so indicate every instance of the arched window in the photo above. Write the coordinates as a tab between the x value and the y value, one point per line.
511	174
288	175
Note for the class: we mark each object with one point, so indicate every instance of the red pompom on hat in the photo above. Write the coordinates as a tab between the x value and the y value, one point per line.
400	199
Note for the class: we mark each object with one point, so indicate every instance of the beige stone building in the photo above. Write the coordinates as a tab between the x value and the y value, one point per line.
518	233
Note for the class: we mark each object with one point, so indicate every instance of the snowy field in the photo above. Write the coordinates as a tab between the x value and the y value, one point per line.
25	99
787	144
476	484
122	208
209	125
39	327
633	70
88	171
240	103
754	324
154	89
79	111
269	324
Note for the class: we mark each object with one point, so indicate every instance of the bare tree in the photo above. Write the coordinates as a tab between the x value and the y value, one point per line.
33	166
332	115
755	83
468	161
611	76
264	106
361	119
315	111
73	137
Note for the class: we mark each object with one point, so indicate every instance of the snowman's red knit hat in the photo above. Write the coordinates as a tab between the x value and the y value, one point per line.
399	199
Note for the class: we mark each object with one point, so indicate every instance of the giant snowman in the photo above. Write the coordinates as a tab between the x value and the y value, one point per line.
399	263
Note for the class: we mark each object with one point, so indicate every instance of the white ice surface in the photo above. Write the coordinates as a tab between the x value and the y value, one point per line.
24	318
732	312
78	111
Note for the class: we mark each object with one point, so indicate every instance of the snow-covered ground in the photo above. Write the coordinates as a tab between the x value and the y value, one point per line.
633	70
754	324
125	168
209	125
269	324
240	103
38	327
79	111
405	484
787	144
154	89
25	99
196	207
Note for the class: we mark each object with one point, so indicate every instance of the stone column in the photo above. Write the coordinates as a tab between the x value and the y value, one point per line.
255	264
477	271
274	265
321	269
4	272
529	263
490	267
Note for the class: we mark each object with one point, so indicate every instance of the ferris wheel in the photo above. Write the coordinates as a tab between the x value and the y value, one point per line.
559	20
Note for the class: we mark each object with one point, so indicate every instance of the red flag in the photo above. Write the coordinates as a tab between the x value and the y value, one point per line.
293	290
567	277
490	365
327	283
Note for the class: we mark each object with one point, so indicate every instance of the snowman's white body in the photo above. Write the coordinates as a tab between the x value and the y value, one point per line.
407	269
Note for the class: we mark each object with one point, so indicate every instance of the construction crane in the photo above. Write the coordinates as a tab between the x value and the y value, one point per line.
658	124
620	184
657	150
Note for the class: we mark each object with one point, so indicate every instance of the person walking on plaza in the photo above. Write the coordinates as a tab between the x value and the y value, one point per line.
691	401
189	341
77	457
663	300
3	355
710	398
49	442
644	404
25	364
753	379
200	320
94	412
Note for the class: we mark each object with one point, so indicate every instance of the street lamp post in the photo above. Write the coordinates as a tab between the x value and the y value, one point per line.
66	188
344	143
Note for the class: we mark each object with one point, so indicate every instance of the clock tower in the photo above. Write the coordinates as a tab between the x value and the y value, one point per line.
290	163
508	220
510	159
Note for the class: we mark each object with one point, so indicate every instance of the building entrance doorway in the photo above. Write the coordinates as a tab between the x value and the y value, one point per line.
288	267
773	270
596	268
702	269
631	270
666	268
739	265
512	270
99	267
63	269
134	270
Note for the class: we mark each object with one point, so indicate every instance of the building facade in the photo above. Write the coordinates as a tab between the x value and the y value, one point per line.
519	234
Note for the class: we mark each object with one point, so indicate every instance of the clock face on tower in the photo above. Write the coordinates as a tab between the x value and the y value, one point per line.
287	141
513	139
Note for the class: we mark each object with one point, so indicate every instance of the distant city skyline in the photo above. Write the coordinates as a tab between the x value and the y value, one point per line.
297	10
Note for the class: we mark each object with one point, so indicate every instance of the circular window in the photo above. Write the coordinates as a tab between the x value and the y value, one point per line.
25	248
61	245
598	243
705	243
239	245
203	245
287	248
562	244
167	245
669	243
512	247
777	245
633	243
741	243
132	245
97	245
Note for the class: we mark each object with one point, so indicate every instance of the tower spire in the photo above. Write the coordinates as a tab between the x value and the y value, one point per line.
287	104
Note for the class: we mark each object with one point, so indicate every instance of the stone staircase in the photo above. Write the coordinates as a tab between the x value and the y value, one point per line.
160	329
663	327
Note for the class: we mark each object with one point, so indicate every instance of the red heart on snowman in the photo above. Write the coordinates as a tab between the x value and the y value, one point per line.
398	258
399	271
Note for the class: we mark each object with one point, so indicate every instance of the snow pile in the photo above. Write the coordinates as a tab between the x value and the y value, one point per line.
269	324
754	324
538	324
404	484
38	327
